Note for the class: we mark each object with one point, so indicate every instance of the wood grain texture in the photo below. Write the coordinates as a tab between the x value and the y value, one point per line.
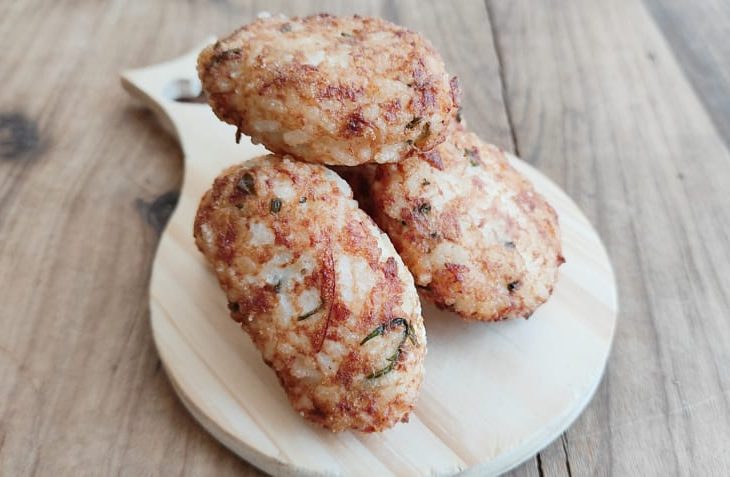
81	172
599	103
697	34
80	383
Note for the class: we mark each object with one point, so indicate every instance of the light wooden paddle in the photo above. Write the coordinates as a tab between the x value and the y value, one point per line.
493	396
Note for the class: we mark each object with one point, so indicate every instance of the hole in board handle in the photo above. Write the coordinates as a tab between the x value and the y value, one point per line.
185	90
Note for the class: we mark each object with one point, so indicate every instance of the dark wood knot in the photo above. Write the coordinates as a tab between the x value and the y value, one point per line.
18	136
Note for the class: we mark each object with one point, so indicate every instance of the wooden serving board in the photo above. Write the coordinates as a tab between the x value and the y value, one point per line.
494	394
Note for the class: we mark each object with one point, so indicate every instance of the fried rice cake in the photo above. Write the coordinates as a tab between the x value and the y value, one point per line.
478	238
319	289
332	90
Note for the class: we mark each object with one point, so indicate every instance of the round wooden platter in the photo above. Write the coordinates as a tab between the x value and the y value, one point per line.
493	396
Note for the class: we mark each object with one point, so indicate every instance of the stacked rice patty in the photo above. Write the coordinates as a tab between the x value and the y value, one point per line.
329	90
320	289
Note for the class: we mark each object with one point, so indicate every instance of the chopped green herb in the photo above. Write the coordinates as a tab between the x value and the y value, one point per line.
512	286
277	286
345	34
425	182
310	313
409	142
424	208
413	122
458	115
275	205
473	156
376	332
246	184
226	54
434	234
392	359
391	364
509	244
425	132
302	200
409	331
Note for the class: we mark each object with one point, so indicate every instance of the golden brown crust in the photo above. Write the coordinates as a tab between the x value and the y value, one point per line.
309	276
476	236
332	90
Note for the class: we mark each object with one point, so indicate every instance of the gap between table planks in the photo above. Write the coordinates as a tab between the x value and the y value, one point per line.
599	103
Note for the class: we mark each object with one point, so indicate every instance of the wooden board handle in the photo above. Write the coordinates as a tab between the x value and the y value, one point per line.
160	87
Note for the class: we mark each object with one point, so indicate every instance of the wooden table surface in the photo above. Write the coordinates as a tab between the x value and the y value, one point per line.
623	103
